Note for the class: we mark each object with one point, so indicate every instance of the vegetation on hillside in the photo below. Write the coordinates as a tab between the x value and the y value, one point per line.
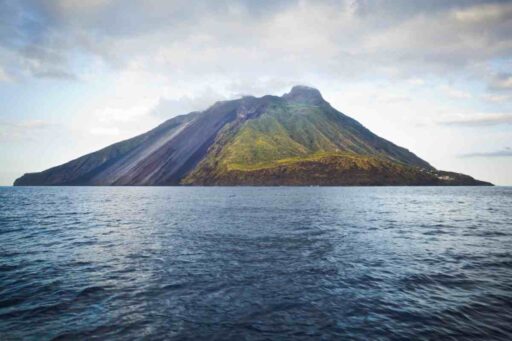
290	138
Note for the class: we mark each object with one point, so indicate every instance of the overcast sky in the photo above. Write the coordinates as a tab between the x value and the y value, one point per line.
432	76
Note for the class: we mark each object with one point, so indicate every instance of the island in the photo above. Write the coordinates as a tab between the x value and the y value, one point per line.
297	139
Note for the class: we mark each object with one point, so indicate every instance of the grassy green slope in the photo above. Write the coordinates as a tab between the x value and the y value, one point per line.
290	130
294	143
322	169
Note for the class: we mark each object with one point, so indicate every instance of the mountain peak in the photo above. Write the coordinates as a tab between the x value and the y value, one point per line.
304	94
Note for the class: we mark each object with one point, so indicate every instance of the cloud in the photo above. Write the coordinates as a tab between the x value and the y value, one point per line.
247	40
501	81
480	120
3	75
390	97
14	131
484	13
31	124
169	107
497	98
109	114
105	131
55	74
416	81
507	152
454	93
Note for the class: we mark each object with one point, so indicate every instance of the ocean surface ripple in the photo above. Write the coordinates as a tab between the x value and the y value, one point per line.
255	263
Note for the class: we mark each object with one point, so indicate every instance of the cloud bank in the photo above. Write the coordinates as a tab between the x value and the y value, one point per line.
507	152
248	41
481	120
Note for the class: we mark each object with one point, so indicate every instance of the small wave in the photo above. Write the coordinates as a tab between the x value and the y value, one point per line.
441	280
42	310
174	286
6	268
85	334
436	233
89	291
488	234
11	302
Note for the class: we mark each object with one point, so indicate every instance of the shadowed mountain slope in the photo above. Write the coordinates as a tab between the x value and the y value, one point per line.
296	139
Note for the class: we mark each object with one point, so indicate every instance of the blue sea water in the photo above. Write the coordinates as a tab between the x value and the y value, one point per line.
256	263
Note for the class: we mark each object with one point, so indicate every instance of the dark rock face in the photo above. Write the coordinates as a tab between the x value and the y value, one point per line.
304	94
159	157
296	139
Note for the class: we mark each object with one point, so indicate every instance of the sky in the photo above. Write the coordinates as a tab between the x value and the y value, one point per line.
432	76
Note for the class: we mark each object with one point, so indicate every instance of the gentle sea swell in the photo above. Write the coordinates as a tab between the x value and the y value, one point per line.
256	263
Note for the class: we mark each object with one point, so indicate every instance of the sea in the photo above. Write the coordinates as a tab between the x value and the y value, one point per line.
256	263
